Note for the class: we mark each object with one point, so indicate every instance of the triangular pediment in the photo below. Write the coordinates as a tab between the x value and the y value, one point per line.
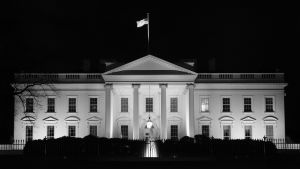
50	118
149	65
248	118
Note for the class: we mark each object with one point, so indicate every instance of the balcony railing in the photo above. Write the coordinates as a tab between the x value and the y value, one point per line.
240	77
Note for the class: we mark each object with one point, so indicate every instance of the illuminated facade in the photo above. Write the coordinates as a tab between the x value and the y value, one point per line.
177	101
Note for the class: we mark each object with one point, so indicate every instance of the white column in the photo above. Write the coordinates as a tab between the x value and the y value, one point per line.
191	120
163	117
108	113
135	111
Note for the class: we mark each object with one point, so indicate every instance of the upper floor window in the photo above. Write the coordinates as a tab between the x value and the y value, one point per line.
174	104
204	104
124	104
247	104
226	104
51	105
29	105
29	133
93	104
269	104
50	131
72	104
149	104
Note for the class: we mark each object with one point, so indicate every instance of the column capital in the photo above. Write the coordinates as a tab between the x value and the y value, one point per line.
108	85
190	85
135	85
163	85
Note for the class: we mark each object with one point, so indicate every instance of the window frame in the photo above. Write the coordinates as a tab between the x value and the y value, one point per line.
152	106
266	131
172	136
49	132
202	129
208	100
245	131
93	132
227	137
76	102
124	107
122	127
222	104
27	110
54	104
177	105
28	135
251	104
273	104
90	104
69	132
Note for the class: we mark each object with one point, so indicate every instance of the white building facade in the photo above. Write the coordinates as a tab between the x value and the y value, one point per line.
178	102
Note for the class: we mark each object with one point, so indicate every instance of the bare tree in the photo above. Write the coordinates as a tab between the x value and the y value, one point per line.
34	86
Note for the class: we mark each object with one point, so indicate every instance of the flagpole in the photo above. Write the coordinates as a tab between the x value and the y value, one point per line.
148	32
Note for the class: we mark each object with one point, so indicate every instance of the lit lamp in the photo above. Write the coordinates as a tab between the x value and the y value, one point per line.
149	123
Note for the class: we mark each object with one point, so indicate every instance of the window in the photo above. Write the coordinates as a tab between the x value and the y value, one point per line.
269	104
226	132
247	104
174	104
50	131
29	133
72	104
71	131
124	131
174	132
93	130
205	130
149	104
226	104
93	105
51	105
269	131
248	132
29	105
124	104
204	104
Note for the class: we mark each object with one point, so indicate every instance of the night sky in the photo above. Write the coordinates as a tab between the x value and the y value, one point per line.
56	36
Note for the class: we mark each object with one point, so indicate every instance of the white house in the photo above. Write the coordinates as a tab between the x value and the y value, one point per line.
178	102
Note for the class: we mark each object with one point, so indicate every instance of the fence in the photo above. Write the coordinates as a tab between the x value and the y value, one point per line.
283	144
151	148
17	145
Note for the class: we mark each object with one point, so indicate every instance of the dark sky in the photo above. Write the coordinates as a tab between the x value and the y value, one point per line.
56	36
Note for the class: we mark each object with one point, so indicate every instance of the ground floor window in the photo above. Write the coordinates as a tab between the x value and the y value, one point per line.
174	132
50	132
124	131
93	130
269	131
72	131
29	133
227	132
205	130
248	132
